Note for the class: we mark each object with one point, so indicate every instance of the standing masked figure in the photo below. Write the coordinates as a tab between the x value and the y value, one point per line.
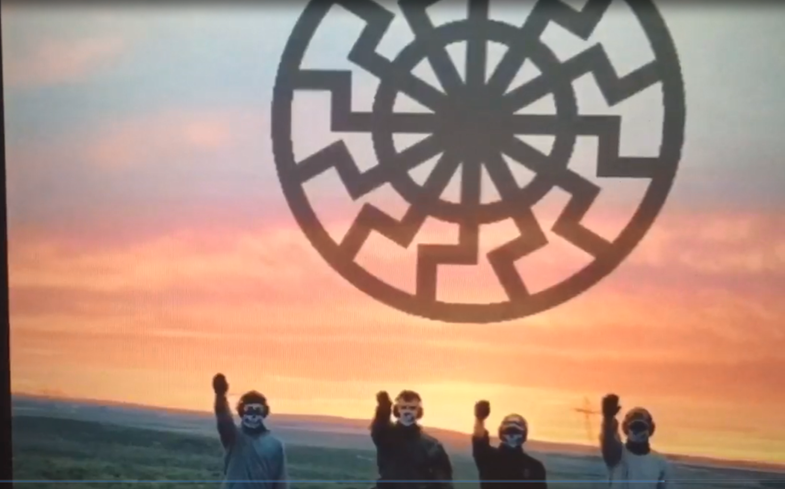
254	458
507	462
406	456
631	464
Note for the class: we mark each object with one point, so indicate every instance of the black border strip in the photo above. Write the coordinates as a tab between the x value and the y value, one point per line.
6	452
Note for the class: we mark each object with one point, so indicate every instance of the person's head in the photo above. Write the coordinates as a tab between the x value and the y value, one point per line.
253	409
638	425
513	430
408	408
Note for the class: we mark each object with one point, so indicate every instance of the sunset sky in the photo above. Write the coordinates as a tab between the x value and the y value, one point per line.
150	245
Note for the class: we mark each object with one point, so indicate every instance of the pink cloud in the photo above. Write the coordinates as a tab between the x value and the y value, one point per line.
684	247
236	260
229	279
717	243
53	62
172	137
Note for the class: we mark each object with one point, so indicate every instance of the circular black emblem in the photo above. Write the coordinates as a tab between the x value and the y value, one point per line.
473	124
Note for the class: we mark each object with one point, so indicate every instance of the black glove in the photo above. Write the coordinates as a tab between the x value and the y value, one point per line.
383	400
220	385
610	406
482	410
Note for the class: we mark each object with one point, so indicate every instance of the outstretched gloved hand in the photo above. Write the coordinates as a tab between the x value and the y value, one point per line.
610	406
220	385
383	399
482	410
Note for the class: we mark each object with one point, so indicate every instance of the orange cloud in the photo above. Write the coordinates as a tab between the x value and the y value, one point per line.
213	272
227	248
128	321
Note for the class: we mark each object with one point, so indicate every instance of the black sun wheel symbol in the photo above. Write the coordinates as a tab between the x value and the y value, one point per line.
473	124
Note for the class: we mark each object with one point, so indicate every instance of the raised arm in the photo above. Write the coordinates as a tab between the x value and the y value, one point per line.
481	442
610	442
223	413
380	426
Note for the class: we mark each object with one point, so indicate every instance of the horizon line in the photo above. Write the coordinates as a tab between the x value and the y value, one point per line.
687	459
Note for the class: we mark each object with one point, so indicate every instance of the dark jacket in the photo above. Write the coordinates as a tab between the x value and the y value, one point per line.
503	463
406	453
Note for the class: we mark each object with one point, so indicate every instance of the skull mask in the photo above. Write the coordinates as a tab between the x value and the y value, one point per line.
638	426
639	431
513	431
407	412
253	416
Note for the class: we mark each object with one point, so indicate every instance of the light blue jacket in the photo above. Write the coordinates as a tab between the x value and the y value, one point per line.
260	458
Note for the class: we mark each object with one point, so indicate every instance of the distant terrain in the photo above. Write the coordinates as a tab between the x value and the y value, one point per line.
56	440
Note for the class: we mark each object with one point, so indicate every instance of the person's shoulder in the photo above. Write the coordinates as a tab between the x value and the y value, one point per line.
660	458
271	439
430	440
534	462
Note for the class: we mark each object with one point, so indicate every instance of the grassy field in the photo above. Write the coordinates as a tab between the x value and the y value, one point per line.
63	449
